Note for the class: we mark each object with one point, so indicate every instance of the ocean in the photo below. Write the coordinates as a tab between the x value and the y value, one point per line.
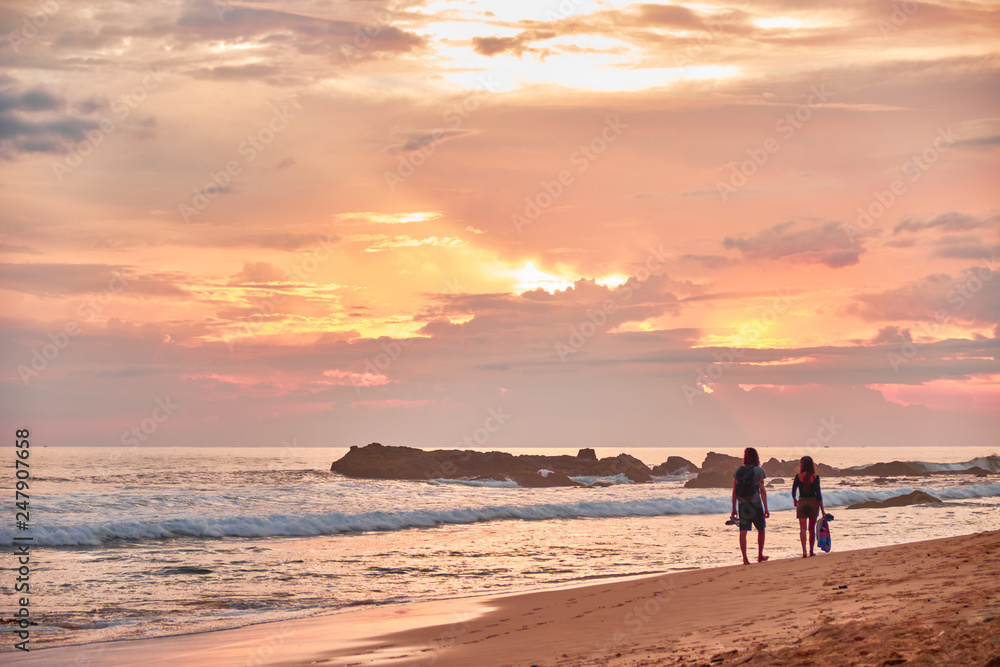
143	542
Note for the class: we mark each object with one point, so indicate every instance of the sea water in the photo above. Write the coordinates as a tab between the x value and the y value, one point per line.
145	542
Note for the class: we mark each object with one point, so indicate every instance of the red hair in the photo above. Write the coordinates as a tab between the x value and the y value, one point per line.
807	469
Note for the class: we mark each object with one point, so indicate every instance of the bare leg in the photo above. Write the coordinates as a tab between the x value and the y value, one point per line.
743	546
812	537
802	534
760	547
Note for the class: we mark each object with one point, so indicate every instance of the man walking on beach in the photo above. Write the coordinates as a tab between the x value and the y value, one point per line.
748	489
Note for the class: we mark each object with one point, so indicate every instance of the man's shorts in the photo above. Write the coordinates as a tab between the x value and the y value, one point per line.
751	513
808	508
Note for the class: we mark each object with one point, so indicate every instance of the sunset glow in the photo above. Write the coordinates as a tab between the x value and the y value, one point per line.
345	222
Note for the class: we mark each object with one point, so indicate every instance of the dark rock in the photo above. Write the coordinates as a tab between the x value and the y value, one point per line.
537	480
587	453
974	470
714	460
716	472
913	498
675	465
891	469
712	479
634	469
377	461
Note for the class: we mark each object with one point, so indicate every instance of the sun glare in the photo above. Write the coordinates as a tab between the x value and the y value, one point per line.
532	278
778	22
613	281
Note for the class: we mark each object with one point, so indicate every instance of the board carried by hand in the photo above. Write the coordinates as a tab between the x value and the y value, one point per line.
823	532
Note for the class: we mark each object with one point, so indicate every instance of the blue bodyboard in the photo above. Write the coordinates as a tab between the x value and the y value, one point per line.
823	534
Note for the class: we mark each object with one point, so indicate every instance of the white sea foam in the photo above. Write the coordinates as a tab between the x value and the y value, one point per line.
590	480
333	523
485	483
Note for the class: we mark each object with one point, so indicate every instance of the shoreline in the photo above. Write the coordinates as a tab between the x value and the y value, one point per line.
917	601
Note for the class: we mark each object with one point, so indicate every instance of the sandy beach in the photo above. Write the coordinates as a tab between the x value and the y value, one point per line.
925	603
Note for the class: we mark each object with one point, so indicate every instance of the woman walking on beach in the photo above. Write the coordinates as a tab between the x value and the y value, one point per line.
809	504
748	489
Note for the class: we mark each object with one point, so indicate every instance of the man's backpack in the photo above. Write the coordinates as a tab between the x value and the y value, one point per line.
746	483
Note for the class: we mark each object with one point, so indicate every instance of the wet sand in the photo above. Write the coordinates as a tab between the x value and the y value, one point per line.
924	603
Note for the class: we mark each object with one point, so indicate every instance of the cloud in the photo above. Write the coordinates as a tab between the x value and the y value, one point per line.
722	296
708	261
35	99
891	334
69	279
382	242
980	132
29	123
821	244
258	272
539	316
275	241
363	37
419	139
952	221
971	296
515	46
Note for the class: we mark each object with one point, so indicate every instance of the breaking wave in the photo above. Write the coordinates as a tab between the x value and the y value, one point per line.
333	523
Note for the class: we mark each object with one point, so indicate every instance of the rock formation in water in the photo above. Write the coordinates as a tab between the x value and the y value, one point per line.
717	471
378	461
912	498
675	465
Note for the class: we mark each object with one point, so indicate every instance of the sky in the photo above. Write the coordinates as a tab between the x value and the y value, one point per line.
499	223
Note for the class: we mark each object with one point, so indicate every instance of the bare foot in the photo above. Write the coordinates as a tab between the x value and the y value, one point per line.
762	558
804	556
811	553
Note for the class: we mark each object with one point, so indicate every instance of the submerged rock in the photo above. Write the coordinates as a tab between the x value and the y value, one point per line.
891	469
913	498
